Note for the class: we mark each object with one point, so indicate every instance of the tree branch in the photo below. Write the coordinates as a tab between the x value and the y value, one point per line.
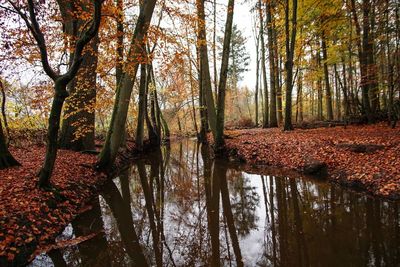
83	41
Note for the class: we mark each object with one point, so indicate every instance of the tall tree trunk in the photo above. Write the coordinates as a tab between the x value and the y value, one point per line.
337	96
219	138
205	68
119	71
263	66
257	80
118	120
273	120
78	125
299	98
320	115
346	104
329	109
215	49
203	112
278	79
3	113
363	44
290	46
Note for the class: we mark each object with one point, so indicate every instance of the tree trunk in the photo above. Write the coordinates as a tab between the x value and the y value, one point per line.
273	120
3	114
299	98
329	109
78	124
123	95
203	113
205	68
363	44
290	46
263	67
52	133
257	81
219	138
320	115
6	159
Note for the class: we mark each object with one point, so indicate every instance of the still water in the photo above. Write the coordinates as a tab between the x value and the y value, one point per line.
179	207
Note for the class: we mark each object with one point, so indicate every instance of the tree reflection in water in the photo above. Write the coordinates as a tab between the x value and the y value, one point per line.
179	207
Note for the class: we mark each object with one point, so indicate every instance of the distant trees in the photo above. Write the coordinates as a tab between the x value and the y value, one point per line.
339	59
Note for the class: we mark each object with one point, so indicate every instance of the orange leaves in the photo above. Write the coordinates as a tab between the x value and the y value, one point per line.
30	217
362	155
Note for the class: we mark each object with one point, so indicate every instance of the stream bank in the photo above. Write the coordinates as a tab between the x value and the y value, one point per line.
365	158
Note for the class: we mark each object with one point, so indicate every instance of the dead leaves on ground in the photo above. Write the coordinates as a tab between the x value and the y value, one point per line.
365	155
30	217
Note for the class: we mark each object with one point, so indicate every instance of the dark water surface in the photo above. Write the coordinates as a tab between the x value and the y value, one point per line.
178	207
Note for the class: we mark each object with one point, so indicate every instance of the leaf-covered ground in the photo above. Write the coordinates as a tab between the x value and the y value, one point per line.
366	157
31	218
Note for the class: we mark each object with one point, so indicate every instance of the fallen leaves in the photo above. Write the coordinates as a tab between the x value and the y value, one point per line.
362	156
30	218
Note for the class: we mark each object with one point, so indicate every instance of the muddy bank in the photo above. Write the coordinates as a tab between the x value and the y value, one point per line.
363	157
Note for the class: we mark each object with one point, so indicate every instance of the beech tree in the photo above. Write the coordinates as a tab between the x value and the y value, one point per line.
60	80
124	88
77	131
290	41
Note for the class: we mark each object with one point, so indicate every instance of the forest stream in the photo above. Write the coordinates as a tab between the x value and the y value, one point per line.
179	207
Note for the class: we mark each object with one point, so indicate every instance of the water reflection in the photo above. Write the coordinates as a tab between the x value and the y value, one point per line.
179	207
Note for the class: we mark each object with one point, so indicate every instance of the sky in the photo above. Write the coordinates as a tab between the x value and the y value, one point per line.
243	18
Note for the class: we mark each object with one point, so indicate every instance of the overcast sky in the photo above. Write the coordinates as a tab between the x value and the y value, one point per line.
243	18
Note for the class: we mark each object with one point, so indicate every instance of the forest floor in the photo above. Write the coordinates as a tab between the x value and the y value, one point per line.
362	157
31	218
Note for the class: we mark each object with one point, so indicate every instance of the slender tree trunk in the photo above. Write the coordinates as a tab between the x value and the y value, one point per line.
52	133
346	104
257	81
203	112
219	138
118	120
215	49
191	85
263	66
278	80
299	98
329	109
205	68
320	115
337	97
3	114
120	42
290	46
273	120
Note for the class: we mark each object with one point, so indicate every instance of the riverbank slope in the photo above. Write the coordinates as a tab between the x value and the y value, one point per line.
362	157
